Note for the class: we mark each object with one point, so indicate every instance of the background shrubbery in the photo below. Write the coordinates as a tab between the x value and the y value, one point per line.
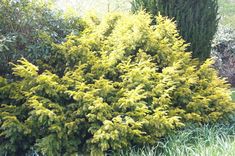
223	51
124	82
28	28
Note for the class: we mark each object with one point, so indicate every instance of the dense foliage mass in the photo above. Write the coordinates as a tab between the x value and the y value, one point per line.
125	83
196	19
28	28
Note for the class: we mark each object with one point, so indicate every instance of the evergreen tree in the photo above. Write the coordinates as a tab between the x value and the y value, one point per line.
197	20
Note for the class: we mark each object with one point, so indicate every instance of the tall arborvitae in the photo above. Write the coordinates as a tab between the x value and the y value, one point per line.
197	20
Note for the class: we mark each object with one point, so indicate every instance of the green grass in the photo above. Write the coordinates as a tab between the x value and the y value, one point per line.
216	140
227	12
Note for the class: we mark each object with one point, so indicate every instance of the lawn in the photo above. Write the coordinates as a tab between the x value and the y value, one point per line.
227	12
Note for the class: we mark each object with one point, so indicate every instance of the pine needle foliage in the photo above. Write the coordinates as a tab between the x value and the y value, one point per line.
197	20
126	83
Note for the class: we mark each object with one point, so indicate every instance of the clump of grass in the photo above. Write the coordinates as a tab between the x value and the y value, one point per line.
192	141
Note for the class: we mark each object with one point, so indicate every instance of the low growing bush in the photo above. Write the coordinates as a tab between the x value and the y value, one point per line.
125	83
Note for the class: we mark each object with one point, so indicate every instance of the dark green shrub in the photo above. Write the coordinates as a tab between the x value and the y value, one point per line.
197	20
126	83
31	27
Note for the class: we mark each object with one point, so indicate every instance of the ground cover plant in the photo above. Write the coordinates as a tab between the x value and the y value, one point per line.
124	82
